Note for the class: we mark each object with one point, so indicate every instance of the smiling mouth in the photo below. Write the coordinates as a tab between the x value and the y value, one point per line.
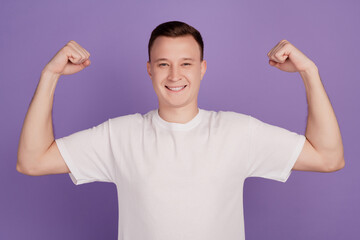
176	89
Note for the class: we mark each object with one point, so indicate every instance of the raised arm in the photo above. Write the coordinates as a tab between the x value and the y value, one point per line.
37	150
323	149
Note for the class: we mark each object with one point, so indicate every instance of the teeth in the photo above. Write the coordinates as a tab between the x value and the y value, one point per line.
176	89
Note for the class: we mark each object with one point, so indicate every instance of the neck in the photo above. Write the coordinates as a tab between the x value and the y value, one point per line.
179	114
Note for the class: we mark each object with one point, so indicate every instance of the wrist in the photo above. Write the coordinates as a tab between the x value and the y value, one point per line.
311	77
310	70
49	74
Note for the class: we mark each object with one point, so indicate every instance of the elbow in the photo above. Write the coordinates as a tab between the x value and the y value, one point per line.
24	170
336	165
20	168
26	163
333	160
21	163
341	164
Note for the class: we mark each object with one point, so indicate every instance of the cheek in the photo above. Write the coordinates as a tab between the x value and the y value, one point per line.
156	78
159	75
194	76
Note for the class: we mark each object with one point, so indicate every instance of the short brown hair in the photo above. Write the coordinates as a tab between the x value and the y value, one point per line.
176	29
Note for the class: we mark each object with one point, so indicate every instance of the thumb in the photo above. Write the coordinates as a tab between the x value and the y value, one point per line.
86	63
74	68
273	63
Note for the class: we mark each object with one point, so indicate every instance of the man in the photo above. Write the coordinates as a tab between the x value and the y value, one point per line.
179	170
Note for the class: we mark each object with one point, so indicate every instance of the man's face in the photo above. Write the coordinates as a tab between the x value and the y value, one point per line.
176	70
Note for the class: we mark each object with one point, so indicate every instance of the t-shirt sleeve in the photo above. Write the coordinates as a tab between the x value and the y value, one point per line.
88	154
273	150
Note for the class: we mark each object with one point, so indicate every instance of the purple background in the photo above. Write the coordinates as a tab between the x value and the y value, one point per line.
237	37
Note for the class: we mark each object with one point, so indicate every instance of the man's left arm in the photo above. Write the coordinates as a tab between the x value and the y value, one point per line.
323	150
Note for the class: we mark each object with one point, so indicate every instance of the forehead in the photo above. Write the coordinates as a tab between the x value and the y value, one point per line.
175	48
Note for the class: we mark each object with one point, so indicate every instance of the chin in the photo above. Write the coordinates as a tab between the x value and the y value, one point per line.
170	102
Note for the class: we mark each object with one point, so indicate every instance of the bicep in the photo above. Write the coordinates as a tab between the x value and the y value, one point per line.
51	162
310	160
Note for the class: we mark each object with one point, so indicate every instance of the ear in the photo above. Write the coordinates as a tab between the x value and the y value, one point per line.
148	67
203	68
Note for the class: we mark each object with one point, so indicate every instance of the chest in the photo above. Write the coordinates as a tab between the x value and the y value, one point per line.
181	158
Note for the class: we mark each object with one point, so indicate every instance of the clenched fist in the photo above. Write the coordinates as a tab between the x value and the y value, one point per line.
71	59
288	58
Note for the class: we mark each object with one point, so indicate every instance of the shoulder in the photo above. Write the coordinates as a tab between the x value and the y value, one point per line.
131	119
126	118
228	119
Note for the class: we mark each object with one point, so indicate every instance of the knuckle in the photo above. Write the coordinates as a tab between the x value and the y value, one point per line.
67	49
277	57
71	43
76	56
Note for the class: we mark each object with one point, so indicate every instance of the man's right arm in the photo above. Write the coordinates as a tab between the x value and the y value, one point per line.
38	153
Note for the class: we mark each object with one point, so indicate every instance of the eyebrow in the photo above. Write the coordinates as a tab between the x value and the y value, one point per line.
165	59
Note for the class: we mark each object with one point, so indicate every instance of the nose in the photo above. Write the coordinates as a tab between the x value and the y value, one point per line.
174	74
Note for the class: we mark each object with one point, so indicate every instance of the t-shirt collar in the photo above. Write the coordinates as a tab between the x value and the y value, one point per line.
178	126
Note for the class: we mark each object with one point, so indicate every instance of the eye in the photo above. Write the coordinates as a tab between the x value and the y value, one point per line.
162	64
186	64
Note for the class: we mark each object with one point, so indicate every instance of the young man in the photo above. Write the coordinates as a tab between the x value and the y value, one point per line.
179	170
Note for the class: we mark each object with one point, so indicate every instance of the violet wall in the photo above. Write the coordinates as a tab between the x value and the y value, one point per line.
237	37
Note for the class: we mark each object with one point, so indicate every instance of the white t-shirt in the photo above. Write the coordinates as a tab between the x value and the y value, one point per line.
181	181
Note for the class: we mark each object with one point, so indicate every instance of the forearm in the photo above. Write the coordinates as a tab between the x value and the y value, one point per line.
322	129
37	131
